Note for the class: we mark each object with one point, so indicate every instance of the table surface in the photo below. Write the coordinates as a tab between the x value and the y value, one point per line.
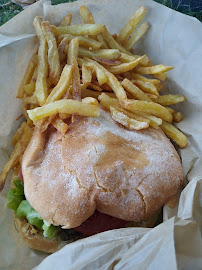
190	7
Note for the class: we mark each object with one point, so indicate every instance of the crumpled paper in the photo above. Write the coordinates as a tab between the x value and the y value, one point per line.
173	39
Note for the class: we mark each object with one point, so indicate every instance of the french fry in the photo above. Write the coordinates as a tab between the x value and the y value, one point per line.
63	48
136	36
42	71
64	116
90	100
31	100
79	29
147	87
134	90
167	100
126	121
59	125
29	88
95	94
101	53
87	17
137	76
148	107
94	87
86	75
66	20
53	56
125	66
177	116
131	25
73	50
62	86
153	69
76	89
161	76
28	75
18	134
107	62
175	134
64	106
125	58
113	44
112	81
16	154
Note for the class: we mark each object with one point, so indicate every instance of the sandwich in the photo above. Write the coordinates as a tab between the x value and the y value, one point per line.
96	167
92	154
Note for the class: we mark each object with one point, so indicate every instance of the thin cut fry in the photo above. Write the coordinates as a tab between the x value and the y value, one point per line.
175	134
86	75
161	76
64	106
148	107
125	58
53	57
31	100
76	89
147	87
41	85
90	100
94	94
153	69
136	36
107	62
167	100
79	29
18	134
59	125
126	121
134	90
62	86
73	50
131	25
144	79
63	48
28	75
16	154
66	20
30	88
102	53
125	66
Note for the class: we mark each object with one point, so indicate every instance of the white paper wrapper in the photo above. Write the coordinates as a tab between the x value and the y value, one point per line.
173	39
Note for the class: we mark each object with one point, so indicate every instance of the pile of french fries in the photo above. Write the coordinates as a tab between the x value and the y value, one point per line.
78	67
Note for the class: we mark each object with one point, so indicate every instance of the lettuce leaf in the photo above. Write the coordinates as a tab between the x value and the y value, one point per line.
15	196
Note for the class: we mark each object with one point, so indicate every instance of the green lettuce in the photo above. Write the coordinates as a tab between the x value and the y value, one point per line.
15	196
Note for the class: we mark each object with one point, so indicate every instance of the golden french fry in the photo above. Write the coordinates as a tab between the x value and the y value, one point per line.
139	77
101	53
100	74
136	36
53	56
86	75
94	87
147	87
125	58
112	81
62	86
113	43
28	75
125	66
175	134
73	50
166	100
79	29
59	125
18	134
66	20
90	100
126	121
31	100
29	88
107	62
161	76
76	89
153	69
64	116
148	107
16	154
177	116
107	102
63	48
131	25
42	71
87	17
134	90
64	106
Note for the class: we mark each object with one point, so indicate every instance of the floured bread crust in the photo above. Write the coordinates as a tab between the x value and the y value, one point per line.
99	165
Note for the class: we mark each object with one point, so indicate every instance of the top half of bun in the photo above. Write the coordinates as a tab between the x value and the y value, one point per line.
100	165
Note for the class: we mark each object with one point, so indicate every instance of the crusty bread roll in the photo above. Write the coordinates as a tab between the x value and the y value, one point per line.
99	165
